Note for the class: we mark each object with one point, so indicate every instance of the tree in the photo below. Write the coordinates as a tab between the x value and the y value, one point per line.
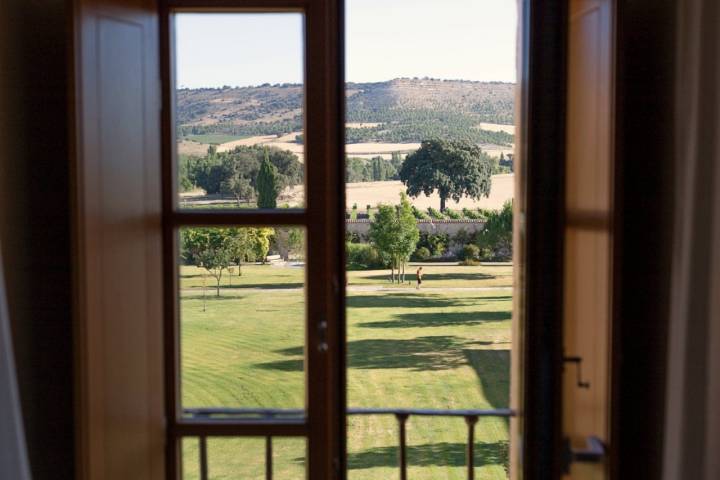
209	248
241	245
288	241
453	168
395	234
267	184
495	239
237	186
261	243
249	244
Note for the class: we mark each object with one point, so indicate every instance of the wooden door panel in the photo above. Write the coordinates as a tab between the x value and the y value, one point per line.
588	126
588	238
118	238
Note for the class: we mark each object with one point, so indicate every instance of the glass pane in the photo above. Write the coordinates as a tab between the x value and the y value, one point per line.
244	458
242	320
239	110
430	185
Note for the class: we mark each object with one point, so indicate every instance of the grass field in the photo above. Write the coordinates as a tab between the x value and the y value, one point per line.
432	348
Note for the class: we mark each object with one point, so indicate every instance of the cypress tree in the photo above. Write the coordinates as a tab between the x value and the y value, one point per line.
267	184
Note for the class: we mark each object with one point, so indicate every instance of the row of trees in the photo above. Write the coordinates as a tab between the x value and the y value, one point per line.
247	172
376	169
218	249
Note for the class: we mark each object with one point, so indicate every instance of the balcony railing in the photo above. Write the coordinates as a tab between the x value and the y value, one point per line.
401	415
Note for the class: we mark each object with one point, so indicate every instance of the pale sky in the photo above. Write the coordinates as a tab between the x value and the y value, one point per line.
451	39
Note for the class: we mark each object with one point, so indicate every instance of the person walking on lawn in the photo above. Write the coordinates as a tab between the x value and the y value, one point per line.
418	276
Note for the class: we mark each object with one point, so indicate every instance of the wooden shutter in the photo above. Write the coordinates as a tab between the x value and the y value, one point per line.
588	234
117	247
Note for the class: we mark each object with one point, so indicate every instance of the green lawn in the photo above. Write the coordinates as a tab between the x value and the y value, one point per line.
406	348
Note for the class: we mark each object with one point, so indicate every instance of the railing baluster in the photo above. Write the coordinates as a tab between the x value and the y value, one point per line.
471	420
203	459
402	454
268	458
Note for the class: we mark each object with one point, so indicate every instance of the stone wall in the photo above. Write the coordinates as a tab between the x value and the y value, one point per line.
450	227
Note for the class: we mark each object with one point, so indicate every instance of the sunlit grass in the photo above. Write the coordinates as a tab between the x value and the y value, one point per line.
423	349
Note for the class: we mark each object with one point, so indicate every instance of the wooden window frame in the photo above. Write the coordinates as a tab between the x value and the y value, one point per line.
323	219
539	231
538	305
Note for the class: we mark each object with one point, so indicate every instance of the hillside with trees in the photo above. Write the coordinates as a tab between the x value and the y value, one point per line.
400	110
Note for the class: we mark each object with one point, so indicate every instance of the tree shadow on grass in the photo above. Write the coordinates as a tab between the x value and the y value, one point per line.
429	276
264	286
291	365
401	300
437	454
493	371
417	354
296	365
439	319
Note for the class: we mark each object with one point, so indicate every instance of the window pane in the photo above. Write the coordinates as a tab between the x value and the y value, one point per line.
242	319
239	110
244	458
429	188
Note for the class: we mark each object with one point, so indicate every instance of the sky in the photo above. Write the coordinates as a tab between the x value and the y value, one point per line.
385	39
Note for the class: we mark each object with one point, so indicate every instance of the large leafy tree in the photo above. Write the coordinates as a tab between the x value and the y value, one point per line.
249	244
453	168
267	184
231	172
395	234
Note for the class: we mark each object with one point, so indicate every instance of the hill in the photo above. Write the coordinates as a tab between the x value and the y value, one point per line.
400	110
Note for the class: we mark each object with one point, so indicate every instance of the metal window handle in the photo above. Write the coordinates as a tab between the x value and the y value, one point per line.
594	453
322	336
578	361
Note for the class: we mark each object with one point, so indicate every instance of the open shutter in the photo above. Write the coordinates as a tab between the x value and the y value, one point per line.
118	240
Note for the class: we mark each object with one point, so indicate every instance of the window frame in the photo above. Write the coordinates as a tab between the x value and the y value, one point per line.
322	218
537	311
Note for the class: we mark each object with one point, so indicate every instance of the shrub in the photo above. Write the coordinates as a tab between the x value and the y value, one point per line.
436	214
462	237
361	256
453	214
470	262
473	214
420	215
436	243
495	241
352	237
470	252
421	254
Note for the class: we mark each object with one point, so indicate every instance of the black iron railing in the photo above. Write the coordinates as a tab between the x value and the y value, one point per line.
401	414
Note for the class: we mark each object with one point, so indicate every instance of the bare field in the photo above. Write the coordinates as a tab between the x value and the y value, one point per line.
372	193
186	147
359	150
497	127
